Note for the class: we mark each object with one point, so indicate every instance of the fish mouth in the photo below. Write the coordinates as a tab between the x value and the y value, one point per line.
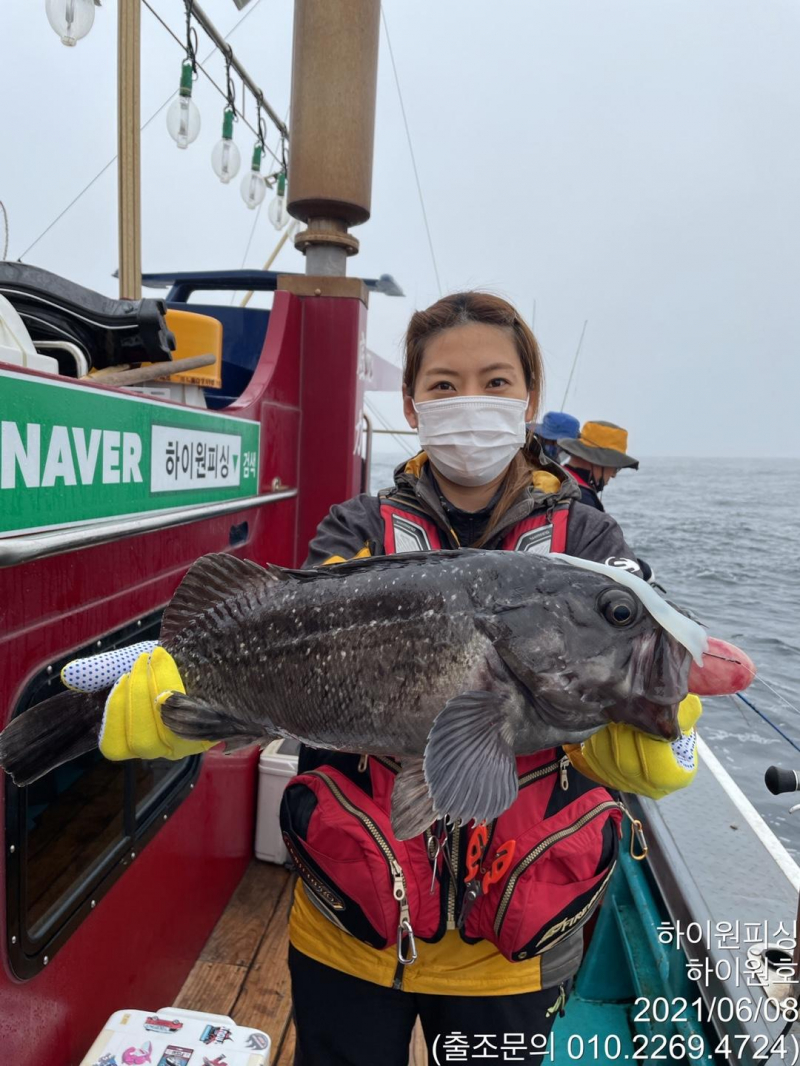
657	683
656	719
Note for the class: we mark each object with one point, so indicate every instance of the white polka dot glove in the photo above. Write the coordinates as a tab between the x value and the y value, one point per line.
626	759
132	727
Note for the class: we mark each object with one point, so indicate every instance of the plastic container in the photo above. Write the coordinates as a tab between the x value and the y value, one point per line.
278	763
16	346
170	1037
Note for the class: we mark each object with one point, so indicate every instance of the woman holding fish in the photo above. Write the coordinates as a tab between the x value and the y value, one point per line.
472	378
457	839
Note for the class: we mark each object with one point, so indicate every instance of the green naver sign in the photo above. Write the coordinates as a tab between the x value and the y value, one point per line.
71	454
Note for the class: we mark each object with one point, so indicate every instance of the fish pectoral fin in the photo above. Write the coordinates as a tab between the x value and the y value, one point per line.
412	806
470	768
195	719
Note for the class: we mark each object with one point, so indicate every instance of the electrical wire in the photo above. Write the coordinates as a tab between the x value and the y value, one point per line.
113	159
411	150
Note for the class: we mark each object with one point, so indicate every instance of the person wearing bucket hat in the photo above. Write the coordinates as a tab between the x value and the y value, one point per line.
555	424
595	456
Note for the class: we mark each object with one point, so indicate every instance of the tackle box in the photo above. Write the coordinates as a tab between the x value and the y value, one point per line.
277	764
172	1037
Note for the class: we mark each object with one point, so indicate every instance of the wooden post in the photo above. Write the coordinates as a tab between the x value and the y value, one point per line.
128	165
334	79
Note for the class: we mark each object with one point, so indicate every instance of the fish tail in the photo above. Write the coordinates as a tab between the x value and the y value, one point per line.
52	733
195	719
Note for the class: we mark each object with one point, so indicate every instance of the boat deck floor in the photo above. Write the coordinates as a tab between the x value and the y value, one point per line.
242	970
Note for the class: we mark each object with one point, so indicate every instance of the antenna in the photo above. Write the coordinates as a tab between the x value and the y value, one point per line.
574	364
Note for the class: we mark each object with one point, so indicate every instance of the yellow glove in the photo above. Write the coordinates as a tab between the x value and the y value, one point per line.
626	759
132	727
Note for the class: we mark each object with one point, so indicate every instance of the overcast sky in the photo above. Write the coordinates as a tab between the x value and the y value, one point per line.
633	163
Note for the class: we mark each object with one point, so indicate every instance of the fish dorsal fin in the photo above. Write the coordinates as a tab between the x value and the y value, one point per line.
212	581
337	571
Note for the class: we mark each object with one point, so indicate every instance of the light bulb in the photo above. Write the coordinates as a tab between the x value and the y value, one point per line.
226	159
71	19
278	215
253	186
183	118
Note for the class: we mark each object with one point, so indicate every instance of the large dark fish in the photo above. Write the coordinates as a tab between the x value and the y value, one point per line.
453	661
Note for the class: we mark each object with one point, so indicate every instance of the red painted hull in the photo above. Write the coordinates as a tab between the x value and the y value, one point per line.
137	946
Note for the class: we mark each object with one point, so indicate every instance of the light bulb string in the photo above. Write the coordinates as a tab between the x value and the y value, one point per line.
93	181
238	113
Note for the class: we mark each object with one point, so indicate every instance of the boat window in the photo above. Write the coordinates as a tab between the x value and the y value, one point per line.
73	830
74	818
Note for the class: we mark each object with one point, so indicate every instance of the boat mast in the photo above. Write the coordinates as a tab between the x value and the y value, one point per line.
334	79
128	160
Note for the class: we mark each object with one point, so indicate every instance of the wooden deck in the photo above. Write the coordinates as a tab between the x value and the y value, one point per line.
242	970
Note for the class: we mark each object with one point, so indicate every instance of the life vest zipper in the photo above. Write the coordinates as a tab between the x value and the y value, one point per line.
528	779
399	886
452	891
539	850
390	764
540	771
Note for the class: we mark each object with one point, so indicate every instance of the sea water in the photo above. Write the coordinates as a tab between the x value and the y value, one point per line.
723	536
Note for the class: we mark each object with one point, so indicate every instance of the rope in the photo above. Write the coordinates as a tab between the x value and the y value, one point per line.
376	413
411	150
249	242
5	223
155	115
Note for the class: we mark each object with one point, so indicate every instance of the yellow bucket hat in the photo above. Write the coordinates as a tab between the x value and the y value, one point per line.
601	443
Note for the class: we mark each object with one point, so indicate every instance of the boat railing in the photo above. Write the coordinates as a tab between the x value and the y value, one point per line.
27	547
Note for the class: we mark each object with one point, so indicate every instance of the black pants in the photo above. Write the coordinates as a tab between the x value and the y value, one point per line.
344	1021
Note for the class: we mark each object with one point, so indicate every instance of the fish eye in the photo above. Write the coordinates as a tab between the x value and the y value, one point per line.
618	607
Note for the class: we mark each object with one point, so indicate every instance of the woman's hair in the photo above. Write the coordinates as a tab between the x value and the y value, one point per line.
460	309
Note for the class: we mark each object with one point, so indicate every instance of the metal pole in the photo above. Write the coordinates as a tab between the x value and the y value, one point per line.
227	51
128	163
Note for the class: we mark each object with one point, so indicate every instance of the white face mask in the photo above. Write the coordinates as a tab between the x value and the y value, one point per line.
471	439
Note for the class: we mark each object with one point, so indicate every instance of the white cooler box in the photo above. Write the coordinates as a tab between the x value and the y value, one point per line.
278	763
172	1037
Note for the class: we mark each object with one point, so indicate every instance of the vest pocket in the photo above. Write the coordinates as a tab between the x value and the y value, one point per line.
357	872
555	882
331	881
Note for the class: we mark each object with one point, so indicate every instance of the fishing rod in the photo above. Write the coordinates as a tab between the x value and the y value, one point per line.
574	364
781	966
